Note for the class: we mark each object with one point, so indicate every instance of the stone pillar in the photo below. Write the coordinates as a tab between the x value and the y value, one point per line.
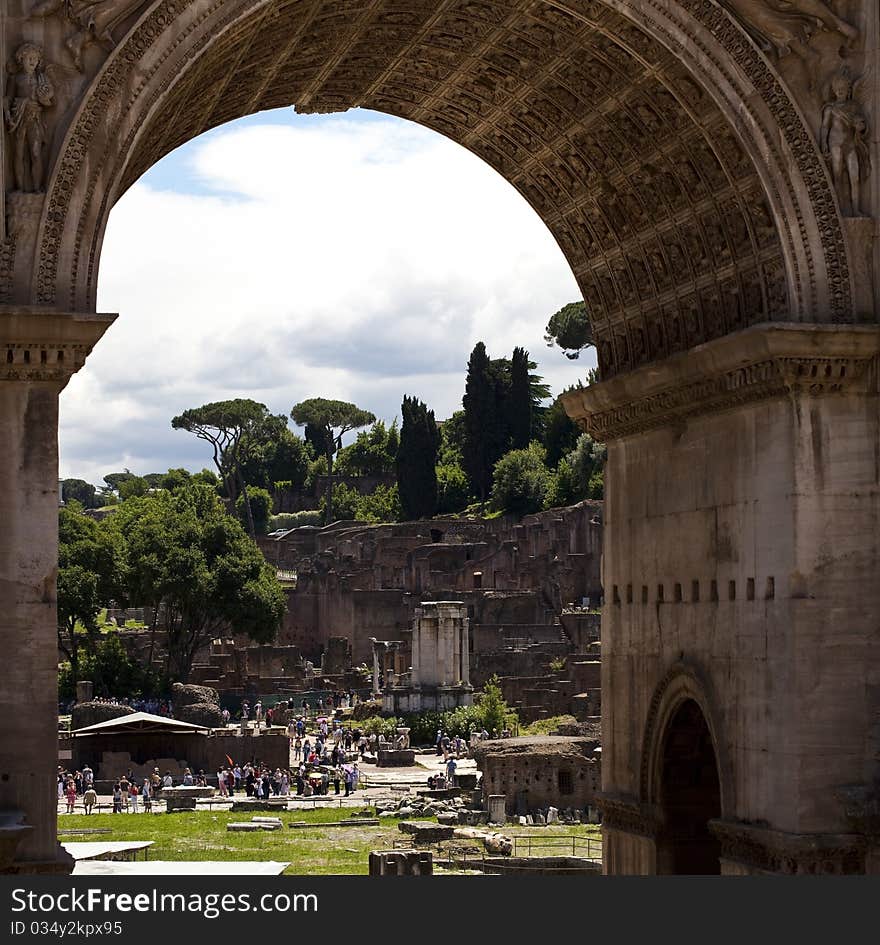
740	575
465	651
415	677
39	352
497	804
85	690
375	643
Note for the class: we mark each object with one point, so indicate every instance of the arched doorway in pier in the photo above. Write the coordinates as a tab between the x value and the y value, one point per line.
690	795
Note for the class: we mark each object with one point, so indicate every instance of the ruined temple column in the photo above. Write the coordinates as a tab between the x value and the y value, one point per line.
465	652
39	352
376	690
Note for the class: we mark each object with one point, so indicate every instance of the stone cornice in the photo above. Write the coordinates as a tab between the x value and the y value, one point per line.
38	344
629	815
760	362
763	849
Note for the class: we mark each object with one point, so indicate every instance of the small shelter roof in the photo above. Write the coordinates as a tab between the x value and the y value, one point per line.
140	722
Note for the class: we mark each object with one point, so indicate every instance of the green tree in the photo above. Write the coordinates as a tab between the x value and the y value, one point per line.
331	419
570	330
579	475
520	404
481	423
261	508
194	564
452	489
225	425
133	487
452	438
560	433
381	505
417	460
91	572
271	452
114	480
372	453
520	481
495	714
79	490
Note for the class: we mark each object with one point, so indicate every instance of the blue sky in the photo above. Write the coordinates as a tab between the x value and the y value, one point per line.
281	257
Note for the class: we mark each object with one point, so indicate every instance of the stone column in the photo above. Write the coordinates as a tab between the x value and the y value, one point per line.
415	678
39	352
465	650
375	643
740	573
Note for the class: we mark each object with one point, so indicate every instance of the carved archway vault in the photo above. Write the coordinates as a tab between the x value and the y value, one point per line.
653	138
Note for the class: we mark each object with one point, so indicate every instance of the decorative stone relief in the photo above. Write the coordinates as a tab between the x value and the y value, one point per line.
92	22
786	26
30	93
844	141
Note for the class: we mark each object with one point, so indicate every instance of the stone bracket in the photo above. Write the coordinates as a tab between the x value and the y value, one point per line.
44	345
755	364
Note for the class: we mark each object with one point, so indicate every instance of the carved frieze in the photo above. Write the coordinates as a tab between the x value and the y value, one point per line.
782	27
763	362
763	850
86	22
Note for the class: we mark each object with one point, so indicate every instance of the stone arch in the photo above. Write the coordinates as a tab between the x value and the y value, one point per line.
653	138
682	683
686	778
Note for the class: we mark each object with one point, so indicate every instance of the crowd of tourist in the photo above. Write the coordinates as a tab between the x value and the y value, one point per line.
154	706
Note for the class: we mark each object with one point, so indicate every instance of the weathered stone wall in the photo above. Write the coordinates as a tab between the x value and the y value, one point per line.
534	773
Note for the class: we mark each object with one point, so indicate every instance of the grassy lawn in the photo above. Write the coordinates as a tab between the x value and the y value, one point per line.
202	835
334	851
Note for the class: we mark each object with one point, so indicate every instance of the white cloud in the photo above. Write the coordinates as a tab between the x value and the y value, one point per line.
348	258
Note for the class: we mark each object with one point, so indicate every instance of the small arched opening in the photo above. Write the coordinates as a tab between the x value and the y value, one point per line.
690	795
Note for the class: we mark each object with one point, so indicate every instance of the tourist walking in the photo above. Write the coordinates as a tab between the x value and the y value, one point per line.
147	796
133	794
90	798
70	792
117	798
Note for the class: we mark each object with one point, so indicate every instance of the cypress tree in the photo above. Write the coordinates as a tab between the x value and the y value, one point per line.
416	462
520	401
480	423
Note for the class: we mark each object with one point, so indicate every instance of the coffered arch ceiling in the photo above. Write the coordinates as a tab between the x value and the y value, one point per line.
652	138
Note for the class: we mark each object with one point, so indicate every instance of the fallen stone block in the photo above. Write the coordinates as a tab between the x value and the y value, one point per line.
426	833
244	827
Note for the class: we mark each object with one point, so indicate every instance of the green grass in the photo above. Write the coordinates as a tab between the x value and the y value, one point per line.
546	726
202	835
334	851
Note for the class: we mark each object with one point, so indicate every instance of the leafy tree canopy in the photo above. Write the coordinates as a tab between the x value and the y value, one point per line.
80	491
329	421
372	453
520	481
193	562
570	330
225	424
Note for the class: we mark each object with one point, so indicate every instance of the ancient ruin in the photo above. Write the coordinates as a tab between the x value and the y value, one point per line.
710	171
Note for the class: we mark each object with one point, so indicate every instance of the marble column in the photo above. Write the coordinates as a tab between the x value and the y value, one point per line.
39	352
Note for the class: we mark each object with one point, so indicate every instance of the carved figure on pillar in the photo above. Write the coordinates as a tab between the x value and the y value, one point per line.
29	94
844	141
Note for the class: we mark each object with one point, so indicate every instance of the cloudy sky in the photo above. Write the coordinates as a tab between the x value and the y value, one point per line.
282	257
